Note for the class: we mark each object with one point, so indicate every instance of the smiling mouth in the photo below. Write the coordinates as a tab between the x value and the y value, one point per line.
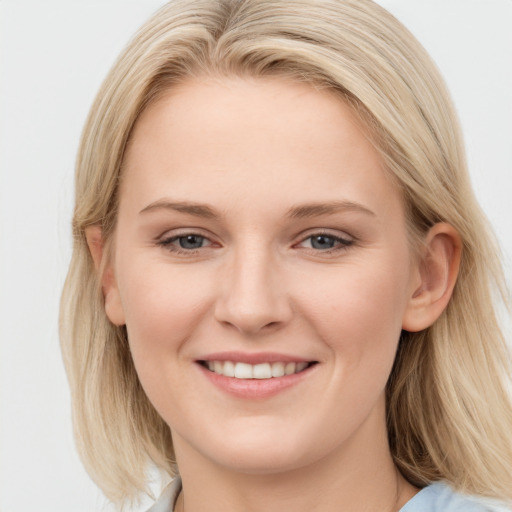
256	371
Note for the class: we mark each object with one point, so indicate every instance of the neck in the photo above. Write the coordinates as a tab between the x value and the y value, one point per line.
274	497
359	475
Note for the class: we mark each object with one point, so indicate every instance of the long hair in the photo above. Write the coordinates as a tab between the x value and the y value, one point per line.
449	412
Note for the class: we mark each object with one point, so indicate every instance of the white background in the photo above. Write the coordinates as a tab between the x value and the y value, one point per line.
53	57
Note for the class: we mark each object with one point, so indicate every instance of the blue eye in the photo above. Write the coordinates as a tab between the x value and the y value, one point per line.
324	242
185	244
191	241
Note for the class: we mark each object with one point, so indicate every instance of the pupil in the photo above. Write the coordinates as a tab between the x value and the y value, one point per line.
191	242
322	242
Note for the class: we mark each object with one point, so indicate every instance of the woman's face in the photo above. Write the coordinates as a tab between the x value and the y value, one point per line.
257	235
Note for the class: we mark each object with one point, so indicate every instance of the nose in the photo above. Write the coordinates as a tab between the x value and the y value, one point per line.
253	298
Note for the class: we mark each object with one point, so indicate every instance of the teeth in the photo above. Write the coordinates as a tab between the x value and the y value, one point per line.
262	371
290	368
242	371
256	371
300	367
277	369
229	369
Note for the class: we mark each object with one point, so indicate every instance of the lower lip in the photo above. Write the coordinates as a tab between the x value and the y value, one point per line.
256	388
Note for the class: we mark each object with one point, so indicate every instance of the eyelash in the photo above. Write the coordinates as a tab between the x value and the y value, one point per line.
343	243
166	243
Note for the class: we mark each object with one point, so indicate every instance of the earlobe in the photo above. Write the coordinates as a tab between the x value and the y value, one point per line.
437	269
112	298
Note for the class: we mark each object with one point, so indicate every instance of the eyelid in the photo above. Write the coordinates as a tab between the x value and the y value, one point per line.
182	232
344	240
167	239
333	233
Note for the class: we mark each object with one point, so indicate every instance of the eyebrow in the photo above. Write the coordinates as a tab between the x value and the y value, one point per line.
316	209
196	209
302	211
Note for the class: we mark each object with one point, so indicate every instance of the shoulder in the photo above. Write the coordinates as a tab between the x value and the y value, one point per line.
440	497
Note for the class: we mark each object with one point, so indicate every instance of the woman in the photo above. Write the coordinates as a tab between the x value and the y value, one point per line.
285	281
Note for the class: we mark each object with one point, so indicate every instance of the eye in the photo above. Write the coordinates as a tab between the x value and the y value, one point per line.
187	243
325	242
190	241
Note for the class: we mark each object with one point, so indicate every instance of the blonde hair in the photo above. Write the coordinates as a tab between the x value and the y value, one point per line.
449	411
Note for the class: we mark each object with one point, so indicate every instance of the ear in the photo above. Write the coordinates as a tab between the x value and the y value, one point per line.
435	276
104	267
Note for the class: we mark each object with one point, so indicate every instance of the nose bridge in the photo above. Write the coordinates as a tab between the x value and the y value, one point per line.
253	296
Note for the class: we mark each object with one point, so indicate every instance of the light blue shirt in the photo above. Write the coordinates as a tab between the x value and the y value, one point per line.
437	497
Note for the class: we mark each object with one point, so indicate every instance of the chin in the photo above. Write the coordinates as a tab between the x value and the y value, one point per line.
259	454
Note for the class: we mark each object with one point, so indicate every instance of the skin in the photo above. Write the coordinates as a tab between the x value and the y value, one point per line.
251	150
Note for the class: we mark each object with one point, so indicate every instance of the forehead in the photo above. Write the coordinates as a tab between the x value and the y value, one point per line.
251	136
271	105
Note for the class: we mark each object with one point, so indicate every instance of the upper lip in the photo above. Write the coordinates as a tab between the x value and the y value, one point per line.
254	358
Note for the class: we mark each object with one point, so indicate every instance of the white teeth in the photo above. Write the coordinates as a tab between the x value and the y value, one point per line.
277	369
229	369
257	371
242	371
261	371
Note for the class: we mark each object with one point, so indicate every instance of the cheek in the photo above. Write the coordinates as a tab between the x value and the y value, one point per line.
359	314
163	306
358	317
163	309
